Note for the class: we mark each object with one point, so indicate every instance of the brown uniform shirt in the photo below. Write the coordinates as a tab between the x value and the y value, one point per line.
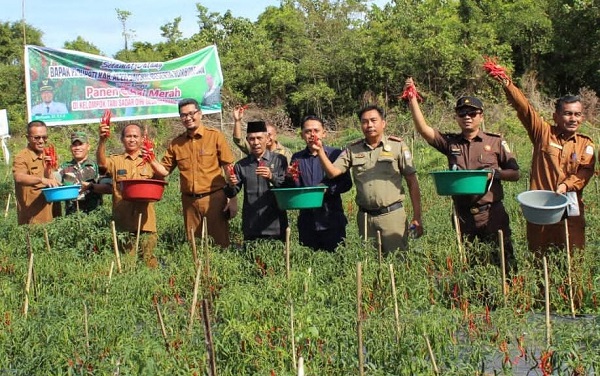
556	158
377	171
199	159
31	203
126	213
485	151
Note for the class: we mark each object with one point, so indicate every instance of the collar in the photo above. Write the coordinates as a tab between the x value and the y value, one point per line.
476	138
198	132
33	155
382	142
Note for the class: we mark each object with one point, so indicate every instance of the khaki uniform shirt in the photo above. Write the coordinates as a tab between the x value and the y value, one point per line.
485	151
556	158
199	159
31	203
377	171
243	145
126	213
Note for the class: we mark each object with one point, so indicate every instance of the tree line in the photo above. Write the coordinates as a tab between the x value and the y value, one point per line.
330	56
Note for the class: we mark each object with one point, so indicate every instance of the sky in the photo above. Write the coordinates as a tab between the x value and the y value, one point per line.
97	23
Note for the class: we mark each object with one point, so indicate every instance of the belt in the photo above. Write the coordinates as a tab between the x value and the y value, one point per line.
384	210
479	209
200	195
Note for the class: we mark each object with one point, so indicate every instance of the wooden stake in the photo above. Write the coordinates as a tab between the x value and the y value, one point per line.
208	339
379	251
293	334
7	205
28	284
194	300
85	325
287	252
361	359
206	257
300	366
110	272
162	324
365	216
137	235
569	276
431	356
395	297
503	265
547	299
116	247
193	244
47	239
29	253
461	250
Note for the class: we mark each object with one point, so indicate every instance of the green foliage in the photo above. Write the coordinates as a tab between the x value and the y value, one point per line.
82	45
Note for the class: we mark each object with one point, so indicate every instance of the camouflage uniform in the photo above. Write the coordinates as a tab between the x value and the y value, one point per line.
76	173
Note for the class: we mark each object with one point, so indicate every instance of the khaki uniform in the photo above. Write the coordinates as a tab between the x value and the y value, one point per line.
377	174
126	213
200	159
243	145
31	204
557	159
480	215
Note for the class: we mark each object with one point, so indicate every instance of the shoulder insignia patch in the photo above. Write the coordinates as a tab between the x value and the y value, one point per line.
505	146
589	150
395	138
356	142
493	134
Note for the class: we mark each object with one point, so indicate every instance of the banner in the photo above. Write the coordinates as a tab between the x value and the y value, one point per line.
4	134
70	87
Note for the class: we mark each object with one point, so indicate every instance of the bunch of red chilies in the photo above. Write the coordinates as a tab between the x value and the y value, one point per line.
148	147
49	151
105	119
411	92
495	70
294	171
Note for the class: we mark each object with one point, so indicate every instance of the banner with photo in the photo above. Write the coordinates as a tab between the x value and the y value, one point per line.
70	87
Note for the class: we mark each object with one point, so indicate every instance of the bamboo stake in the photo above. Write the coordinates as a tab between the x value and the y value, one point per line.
431	356
293	334
361	360
300	366
287	252
28	284
547	298
7	205
503	265
29	253
365	216
162	324
85	325
569	276
137	235
208	339
461	250
194	300
194	249
47	239
379	251
110	272
116	247
206	257
395	297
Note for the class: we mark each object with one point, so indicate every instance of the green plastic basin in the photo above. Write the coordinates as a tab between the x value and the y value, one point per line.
460	182
299	198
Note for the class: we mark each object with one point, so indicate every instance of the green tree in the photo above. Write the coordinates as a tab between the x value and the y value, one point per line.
82	45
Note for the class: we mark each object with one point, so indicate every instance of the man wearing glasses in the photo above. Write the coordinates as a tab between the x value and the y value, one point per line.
472	149
31	174
200	153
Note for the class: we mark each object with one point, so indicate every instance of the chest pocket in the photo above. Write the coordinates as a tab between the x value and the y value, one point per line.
359	165
387	164
184	164
488	160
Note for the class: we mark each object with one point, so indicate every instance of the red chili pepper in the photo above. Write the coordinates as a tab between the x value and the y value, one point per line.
148	147
294	170
411	92
230	169
261	163
106	120
49	151
495	70
244	107
546	363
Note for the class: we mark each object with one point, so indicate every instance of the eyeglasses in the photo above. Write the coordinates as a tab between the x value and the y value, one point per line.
37	138
190	114
471	113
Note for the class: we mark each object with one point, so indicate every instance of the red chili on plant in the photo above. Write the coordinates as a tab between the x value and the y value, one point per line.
411	92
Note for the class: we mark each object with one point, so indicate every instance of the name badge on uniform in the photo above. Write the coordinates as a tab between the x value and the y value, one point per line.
455	150
556	146
359	155
121	172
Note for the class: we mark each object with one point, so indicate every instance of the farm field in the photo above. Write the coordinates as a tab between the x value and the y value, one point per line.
85	318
